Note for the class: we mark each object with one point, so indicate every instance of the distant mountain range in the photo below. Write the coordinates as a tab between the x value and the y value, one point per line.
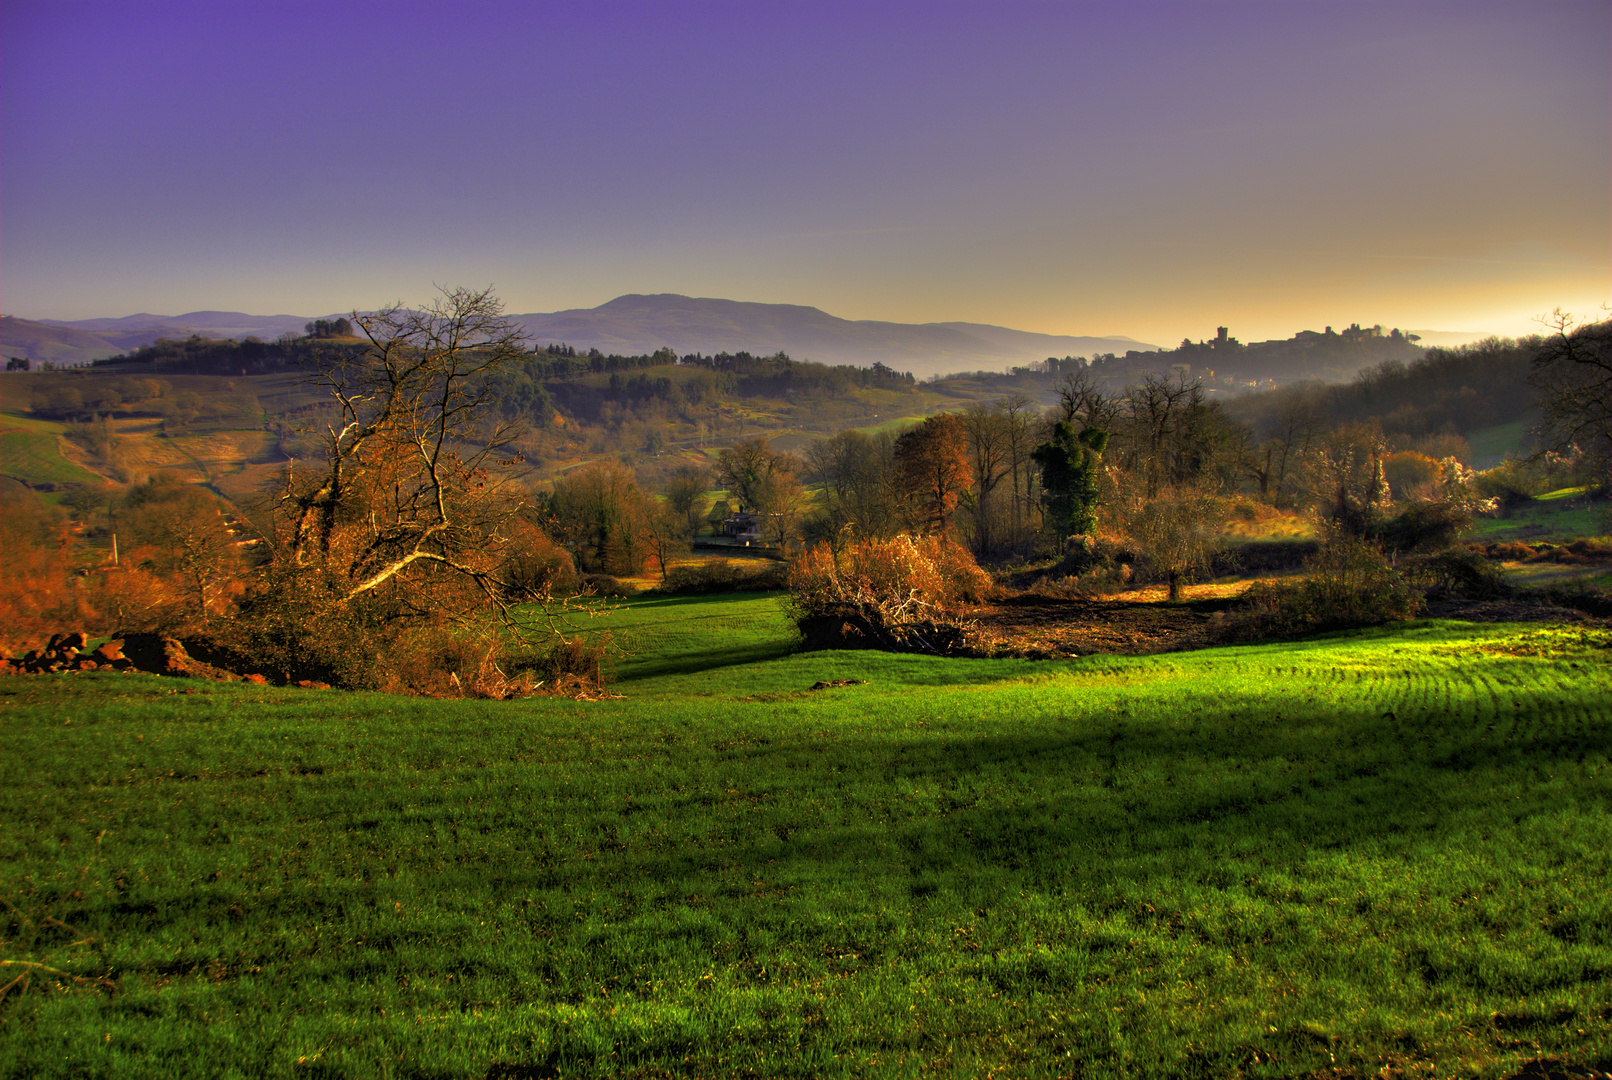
83	340
637	324
628	325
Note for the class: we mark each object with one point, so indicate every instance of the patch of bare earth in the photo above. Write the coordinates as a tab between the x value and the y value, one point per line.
1033	625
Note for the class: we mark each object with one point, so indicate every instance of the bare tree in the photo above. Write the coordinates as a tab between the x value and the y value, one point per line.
1023	435
747	467
856	472
665	534
1082	405
1179	529
685	494
783	502
1290	439
1573	374
767	483
414	477
990	459
178	530
1156	411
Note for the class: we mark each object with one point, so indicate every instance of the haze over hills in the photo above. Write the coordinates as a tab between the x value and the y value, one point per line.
83	340
637	324
628	325
40	341
142	329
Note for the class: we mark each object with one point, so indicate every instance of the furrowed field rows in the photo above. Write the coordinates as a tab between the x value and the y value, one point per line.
1375	849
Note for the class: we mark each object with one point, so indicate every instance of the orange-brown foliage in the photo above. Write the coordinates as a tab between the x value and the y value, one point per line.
900	580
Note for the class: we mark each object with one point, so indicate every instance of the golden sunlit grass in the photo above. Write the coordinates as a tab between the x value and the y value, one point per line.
1255	521
1209	590
11	421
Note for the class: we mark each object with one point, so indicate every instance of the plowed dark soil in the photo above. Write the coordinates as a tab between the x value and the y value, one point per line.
1039	626
1043	626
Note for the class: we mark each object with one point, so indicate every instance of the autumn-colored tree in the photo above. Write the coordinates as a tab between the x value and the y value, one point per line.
178	531
396	540
37	597
601	509
685	494
932	470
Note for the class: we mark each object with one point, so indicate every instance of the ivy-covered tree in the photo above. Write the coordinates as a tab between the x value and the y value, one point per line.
1069	464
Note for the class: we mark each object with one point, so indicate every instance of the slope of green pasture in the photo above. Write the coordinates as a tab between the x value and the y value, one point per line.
1556	518
1381	848
1492	445
34	457
16	421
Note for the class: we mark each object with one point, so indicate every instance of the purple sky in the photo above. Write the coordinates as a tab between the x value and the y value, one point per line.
1152	169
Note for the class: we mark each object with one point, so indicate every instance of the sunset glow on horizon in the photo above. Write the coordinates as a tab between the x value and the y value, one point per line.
1148	169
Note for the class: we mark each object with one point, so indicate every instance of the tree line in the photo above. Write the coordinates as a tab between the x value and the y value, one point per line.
380	552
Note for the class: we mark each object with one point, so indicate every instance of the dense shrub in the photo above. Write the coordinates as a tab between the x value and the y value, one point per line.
461	662
1425	526
1350	583
290	627
1412	475
39	593
607	586
1091	566
1457	572
723	575
1263	557
902	593
538	568
571	666
1515	482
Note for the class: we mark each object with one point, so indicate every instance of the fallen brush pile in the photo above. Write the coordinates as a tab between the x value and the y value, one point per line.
69	652
1581	552
152	654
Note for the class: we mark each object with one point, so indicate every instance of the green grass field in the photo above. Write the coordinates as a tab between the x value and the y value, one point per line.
34	457
1385	848
1556	517
1492	445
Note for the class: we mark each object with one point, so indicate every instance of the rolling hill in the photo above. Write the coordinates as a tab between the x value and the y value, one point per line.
41	341
637	324
640	324
633	325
